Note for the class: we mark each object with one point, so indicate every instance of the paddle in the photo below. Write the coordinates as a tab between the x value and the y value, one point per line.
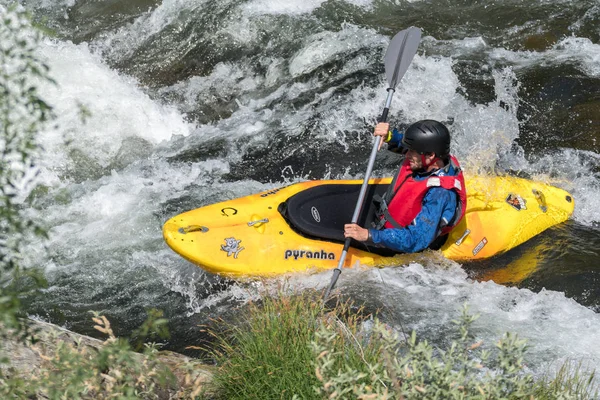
398	57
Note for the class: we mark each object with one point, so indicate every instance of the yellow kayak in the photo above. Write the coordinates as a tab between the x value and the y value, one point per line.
300	227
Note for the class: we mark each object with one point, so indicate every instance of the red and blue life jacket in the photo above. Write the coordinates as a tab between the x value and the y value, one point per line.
407	193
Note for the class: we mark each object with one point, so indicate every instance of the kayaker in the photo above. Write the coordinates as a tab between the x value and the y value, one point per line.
427	197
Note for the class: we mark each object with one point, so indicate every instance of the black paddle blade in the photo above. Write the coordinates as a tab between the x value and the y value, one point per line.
400	53
334	278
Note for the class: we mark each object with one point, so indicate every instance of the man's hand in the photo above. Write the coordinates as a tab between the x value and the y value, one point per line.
356	232
381	129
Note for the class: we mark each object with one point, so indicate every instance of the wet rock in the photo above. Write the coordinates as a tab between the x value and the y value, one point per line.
539	42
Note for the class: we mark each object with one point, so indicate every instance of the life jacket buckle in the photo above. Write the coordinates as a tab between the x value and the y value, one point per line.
380	207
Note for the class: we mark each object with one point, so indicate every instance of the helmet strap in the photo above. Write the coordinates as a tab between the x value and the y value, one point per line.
424	161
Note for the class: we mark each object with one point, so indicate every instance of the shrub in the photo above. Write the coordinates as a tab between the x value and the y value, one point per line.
267	355
571	382
414	369
68	367
22	114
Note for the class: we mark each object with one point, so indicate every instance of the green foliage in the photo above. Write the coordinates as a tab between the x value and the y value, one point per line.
113	370
154	327
73	370
267	354
414	369
9	310
571	382
23	113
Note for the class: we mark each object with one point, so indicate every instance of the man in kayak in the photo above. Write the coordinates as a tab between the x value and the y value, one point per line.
427	197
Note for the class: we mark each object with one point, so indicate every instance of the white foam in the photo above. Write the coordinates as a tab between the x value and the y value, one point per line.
200	291
580	52
227	80
128	38
590	16
456	47
571	170
277	7
51	4
327	46
428	90
483	135
342	115
365	4
119	109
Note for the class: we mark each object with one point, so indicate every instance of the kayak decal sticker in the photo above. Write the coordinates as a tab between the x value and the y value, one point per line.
270	192
227	211
232	246
315	214
321	255
517	202
480	246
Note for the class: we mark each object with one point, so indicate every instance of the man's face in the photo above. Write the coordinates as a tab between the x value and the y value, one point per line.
414	159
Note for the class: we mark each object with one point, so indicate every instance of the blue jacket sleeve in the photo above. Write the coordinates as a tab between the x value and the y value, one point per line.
395	143
438	204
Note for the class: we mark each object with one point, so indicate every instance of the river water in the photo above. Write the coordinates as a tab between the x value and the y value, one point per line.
191	103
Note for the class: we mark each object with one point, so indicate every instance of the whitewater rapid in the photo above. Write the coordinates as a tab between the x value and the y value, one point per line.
128	152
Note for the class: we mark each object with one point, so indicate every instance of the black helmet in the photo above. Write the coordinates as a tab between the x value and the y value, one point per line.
427	136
